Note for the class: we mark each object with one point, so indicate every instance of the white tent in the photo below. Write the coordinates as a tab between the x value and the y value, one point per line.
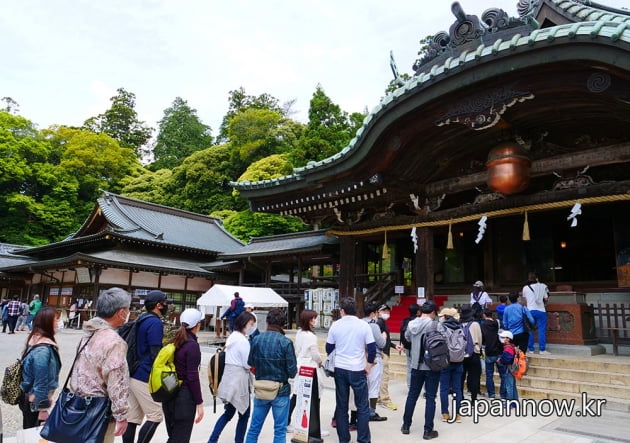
220	296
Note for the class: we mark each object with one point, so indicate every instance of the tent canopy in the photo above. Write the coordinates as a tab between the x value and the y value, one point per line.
221	296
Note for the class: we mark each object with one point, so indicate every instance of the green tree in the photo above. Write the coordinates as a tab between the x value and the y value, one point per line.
121	123
201	183
180	133
274	166
246	224
329	129
239	100
10	105
148	186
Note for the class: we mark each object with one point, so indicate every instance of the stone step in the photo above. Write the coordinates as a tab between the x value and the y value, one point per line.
570	386
612	403
579	375
615	365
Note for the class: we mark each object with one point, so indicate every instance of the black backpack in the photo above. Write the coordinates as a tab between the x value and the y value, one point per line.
129	333
216	366
435	349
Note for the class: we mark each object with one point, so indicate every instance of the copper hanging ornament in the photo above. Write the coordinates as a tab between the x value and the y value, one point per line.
508	169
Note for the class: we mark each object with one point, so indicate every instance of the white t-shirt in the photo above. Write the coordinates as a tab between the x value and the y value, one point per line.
237	350
484	299
535	296
350	335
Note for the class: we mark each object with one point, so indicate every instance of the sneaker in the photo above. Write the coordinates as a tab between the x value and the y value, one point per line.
446	417
377	417
458	418
404	429
324	433
544	352
430	435
389	405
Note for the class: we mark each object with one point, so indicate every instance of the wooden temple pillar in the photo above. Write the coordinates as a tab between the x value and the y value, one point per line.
424	262
348	260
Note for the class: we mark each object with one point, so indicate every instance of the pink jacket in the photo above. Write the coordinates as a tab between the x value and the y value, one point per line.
101	369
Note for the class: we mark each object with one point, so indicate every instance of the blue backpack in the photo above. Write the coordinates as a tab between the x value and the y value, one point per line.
470	345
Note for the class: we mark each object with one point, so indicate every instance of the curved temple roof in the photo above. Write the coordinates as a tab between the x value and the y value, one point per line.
593	22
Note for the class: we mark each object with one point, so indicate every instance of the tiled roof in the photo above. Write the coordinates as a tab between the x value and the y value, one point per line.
592	23
127	259
283	244
148	221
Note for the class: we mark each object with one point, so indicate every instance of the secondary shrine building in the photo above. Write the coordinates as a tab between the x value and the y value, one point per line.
506	152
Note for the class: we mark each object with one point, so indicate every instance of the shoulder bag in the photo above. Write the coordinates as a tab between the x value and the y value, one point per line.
529	326
75	418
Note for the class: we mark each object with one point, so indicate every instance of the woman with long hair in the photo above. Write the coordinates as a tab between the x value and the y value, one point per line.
234	388
180	411
307	353
40	368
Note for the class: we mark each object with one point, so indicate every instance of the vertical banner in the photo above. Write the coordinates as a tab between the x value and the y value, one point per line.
305	418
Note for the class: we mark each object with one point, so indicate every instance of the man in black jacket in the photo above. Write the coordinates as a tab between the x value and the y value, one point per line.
492	346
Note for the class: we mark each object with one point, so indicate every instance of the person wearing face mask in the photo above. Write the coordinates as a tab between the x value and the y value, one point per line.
40	370
307	353
383	396
508	382
234	388
149	342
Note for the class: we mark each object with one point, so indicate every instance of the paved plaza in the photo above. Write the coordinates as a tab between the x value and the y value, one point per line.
611	426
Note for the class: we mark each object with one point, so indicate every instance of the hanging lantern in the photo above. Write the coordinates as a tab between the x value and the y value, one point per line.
508	169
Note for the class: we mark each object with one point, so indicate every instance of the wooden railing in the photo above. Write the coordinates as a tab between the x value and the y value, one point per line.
611	316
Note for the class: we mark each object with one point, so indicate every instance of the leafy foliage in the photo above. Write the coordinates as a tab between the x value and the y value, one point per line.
121	122
180	134
247	224
329	129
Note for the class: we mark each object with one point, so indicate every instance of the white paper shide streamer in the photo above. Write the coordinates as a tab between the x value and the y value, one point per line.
414	239
575	211
482	228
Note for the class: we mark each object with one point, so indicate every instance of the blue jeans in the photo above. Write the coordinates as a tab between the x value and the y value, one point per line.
280	410
508	384
29	322
241	425
541	322
451	378
491	362
357	380
430	380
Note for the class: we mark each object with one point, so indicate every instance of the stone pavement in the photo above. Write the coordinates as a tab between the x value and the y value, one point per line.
611	426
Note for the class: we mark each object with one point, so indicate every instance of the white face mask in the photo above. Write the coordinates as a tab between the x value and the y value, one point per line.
384	316
58	325
250	329
127	317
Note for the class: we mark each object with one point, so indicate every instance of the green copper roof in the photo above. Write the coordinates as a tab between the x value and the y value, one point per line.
593	24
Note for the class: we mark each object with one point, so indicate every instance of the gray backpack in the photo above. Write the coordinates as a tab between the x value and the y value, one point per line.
456	341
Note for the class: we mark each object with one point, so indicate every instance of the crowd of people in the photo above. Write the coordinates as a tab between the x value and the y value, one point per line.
255	360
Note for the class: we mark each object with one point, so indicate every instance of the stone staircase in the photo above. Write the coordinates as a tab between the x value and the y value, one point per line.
557	376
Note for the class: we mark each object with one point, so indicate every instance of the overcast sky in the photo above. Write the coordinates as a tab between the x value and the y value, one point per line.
62	60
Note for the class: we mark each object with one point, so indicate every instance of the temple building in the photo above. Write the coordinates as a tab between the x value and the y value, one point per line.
506	152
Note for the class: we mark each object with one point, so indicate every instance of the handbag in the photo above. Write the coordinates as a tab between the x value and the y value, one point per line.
529	326
329	364
266	389
75	418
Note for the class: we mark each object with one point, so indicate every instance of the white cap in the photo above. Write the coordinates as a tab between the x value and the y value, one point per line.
249	305
191	317
506	334
478	284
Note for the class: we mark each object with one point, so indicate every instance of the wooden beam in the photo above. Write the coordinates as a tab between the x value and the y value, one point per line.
607	155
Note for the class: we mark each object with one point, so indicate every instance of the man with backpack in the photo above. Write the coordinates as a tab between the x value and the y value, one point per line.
149	333
237	305
413	308
472	359
421	373
451	376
